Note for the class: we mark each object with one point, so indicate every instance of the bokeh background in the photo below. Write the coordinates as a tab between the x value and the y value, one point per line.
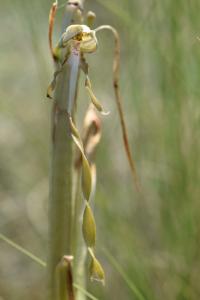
148	243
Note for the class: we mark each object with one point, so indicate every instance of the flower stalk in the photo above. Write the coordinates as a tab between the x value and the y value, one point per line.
60	194
76	41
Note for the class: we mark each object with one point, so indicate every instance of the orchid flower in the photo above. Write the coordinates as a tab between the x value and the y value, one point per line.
75	42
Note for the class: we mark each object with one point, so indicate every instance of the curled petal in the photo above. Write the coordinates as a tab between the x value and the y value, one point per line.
52	85
74	130
71	32
118	99
91	131
93	98
89	42
86	171
82	34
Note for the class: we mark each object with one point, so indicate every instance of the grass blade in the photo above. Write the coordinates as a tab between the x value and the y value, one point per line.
126	278
22	250
40	262
86	293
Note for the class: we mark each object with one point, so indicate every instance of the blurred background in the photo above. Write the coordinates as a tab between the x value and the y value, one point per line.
149	243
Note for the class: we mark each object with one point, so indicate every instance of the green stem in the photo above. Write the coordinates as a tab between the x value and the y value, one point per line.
60	197
79	245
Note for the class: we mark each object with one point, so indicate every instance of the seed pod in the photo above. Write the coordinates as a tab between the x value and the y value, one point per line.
91	16
89	227
96	270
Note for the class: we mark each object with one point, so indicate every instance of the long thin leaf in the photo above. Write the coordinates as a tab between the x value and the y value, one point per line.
22	250
123	274
40	262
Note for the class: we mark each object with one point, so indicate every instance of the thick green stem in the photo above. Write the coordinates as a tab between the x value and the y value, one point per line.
60	206
60	198
79	245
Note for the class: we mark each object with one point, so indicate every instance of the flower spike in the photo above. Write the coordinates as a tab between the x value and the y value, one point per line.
77	40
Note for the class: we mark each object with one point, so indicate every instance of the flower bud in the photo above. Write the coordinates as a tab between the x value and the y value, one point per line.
96	270
89	227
